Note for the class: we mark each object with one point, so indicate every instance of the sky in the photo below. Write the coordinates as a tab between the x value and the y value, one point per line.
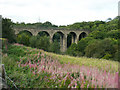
58	12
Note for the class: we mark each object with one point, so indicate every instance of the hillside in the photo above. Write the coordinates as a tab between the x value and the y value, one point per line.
34	68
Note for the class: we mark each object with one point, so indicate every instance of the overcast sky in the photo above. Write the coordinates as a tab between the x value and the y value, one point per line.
59	12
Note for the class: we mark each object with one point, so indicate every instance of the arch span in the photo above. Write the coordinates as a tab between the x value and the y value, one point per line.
43	33
82	35
59	36
71	37
25	31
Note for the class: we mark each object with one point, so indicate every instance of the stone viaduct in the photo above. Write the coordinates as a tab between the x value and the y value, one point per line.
76	35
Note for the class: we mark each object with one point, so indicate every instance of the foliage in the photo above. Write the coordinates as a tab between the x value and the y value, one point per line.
23	39
97	34
45	25
55	47
4	42
99	30
113	34
7	31
99	49
72	50
33	41
83	43
78	49
34	69
43	43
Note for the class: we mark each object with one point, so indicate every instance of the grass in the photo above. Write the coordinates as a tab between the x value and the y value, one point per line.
24	78
107	65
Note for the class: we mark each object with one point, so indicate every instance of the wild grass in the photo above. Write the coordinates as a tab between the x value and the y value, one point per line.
34	68
108	65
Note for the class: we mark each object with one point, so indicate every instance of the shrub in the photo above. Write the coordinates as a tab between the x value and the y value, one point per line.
107	56
55	47
114	34
7	31
23	39
72	50
83	43
43	43
97	34
33	41
4	44
101	49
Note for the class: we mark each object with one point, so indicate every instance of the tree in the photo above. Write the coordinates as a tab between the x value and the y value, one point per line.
101	49
7	31
33	41
55	47
72	50
97	34
109	19
83	43
113	34
23	39
43	43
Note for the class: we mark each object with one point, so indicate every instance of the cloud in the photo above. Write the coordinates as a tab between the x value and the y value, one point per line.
59	12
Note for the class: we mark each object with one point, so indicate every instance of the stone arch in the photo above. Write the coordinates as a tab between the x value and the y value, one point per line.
60	35
26	31
71	38
82	35
43	33
62	40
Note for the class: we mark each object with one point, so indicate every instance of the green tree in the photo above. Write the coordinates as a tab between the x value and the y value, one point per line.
72	50
113	34
97	34
101	49
43	43
33	41
55	47
7	31
23	39
83	43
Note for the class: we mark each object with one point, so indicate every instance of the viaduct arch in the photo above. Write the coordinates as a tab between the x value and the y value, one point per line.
76	35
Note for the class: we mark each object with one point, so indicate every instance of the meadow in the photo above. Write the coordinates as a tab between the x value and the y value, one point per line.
34	68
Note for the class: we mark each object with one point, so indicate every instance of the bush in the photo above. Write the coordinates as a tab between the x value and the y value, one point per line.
4	44
55	47
83	43
23	39
101	49
43	43
72	50
97	34
107	56
78	49
114	34
33	41
7	31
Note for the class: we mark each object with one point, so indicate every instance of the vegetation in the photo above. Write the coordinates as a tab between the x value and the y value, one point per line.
29	66
102	42
33	68
7	30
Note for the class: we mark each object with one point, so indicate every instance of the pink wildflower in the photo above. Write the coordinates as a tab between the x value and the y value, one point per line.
82	85
33	72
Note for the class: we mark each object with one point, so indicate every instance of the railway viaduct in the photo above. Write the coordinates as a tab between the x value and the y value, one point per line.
76	35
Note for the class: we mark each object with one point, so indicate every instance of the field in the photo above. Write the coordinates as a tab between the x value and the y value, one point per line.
34	68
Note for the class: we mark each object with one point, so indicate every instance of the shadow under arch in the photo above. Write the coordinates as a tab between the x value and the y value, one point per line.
58	37
71	38
43	33
26	32
82	35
